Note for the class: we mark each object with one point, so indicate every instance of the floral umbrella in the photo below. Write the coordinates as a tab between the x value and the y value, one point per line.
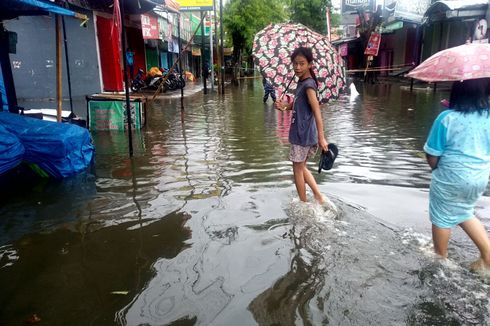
468	61
272	49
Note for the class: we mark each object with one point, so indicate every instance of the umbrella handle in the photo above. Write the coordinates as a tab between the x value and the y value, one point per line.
287	87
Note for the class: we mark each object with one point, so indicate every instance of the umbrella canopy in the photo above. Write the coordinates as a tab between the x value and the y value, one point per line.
467	61
273	47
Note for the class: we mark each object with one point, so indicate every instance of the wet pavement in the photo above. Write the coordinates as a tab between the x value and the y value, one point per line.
202	226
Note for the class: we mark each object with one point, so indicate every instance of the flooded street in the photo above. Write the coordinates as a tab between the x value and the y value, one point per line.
203	225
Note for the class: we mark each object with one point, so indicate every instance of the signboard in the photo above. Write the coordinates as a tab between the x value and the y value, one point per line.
344	49
372	47
195	5
480	33
162	28
173	45
111	115
149	27
196	52
393	26
351	6
412	10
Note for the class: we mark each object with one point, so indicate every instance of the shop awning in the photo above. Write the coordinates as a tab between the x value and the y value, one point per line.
345	40
442	10
131	7
391	27
10	9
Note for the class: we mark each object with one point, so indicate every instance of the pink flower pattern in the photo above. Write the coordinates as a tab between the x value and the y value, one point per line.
273	46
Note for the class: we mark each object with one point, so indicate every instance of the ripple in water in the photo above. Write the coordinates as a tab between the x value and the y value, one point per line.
355	270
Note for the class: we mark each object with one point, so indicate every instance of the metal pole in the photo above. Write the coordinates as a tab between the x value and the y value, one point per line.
328	24
203	65
211	61
126	81
180	60
218	56
58	69
222	44
67	64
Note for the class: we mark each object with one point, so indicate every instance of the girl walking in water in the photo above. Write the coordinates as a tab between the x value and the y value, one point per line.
458	151
306	130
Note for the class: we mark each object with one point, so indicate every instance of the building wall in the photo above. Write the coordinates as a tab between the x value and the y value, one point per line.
399	47
34	64
442	35
393	48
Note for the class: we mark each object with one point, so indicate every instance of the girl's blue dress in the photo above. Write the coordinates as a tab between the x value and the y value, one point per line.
462	142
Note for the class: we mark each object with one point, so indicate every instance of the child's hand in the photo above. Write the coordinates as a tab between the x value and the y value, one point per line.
282	106
322	142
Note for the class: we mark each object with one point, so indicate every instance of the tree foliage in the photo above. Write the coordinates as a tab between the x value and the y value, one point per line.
311	13
244	18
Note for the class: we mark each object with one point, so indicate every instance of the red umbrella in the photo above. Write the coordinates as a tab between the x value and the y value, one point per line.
272	49
468	61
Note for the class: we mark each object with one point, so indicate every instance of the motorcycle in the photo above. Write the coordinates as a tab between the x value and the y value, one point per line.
172	82
138	83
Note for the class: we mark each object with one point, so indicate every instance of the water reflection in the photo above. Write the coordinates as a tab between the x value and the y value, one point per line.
45	205
342	273
70	275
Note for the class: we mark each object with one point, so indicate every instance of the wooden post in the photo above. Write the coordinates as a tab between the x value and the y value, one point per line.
68	75
59	99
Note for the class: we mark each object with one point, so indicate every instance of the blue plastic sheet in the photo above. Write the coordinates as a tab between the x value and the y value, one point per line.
14	8
3	94
11	150
60	149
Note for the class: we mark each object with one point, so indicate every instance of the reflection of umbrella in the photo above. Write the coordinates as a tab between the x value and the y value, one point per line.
273	46
468	61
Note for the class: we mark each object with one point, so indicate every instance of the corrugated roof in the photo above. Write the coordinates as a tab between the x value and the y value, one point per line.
459	4
439	10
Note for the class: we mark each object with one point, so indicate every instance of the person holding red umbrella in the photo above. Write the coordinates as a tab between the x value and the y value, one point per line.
458	146
458	152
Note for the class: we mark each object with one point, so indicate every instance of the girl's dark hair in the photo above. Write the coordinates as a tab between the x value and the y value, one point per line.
308	54
471	96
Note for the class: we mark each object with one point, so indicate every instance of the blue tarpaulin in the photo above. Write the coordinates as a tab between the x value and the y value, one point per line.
4	105
14	8
11	150
60	149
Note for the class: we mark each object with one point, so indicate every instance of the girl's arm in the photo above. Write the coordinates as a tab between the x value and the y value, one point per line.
315	107
432	161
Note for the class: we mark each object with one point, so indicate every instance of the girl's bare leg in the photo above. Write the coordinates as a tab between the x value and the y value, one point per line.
476	231
440	237
299	179
310	180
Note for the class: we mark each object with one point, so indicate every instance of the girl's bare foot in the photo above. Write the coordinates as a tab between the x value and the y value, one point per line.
327	204
479	265
320	199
